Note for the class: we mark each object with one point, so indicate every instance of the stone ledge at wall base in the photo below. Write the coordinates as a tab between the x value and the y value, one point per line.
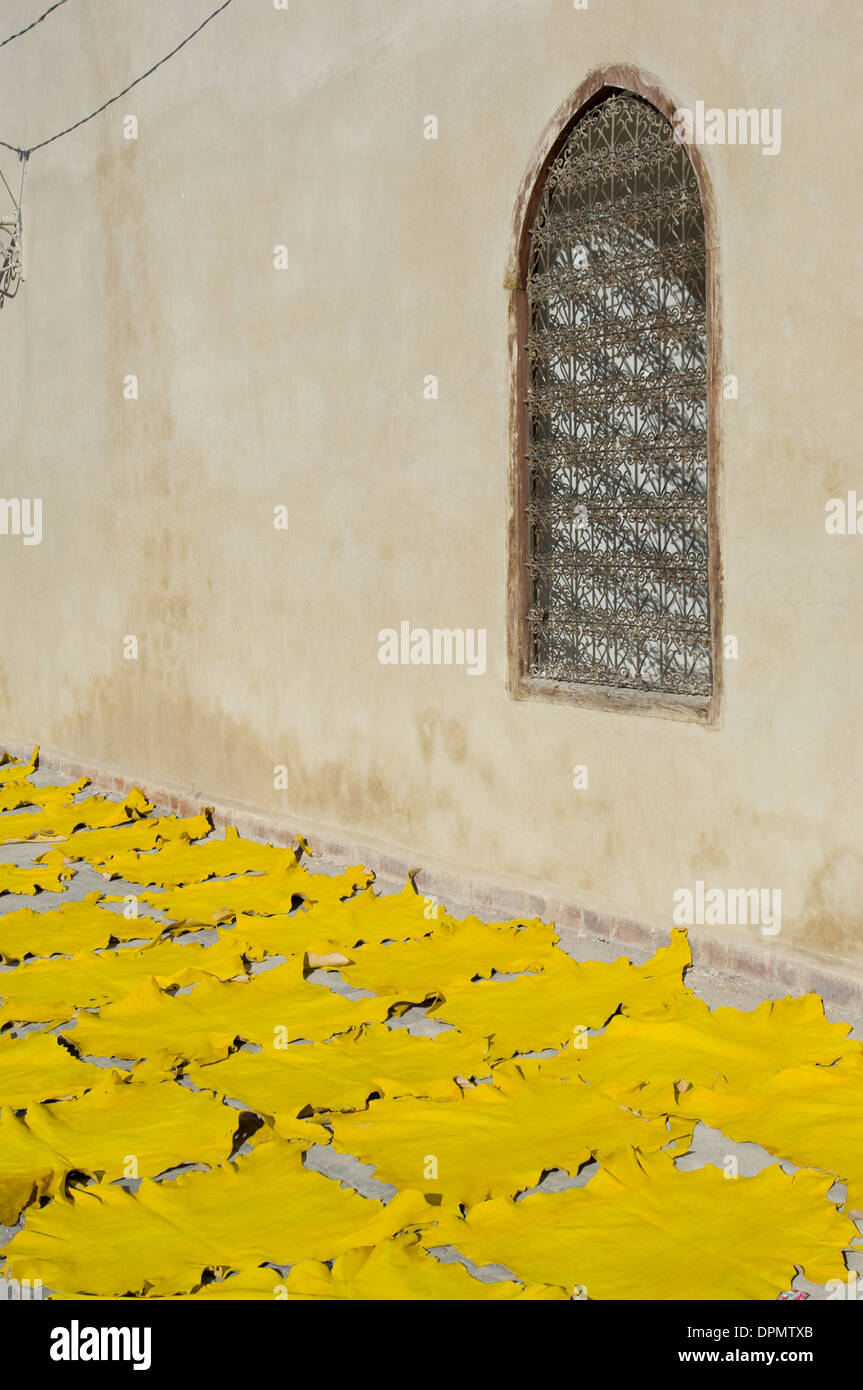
770	965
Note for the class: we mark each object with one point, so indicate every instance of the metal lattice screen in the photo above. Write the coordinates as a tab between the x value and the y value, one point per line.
617	406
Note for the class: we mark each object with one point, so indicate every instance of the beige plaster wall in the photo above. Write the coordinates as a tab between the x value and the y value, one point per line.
305	387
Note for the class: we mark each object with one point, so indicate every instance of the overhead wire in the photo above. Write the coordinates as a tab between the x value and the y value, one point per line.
25	154
10	263
28	27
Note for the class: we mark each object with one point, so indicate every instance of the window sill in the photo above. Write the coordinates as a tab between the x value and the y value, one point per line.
697	709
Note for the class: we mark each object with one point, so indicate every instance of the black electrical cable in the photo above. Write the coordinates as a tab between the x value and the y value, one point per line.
50	10
25	154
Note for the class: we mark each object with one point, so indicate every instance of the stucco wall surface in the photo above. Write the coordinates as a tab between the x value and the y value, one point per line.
304	387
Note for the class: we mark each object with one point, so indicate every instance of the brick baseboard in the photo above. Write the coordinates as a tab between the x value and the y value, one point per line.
770	965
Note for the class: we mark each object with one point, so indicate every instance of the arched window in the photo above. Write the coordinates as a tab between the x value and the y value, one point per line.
615	494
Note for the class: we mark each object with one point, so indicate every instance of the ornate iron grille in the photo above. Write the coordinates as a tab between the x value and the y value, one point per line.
617	408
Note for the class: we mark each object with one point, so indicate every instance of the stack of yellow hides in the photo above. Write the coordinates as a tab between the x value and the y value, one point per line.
179	1055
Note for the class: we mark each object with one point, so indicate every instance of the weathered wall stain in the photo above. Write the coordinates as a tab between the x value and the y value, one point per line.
305	388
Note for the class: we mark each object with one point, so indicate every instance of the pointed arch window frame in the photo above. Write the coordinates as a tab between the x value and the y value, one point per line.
521	684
